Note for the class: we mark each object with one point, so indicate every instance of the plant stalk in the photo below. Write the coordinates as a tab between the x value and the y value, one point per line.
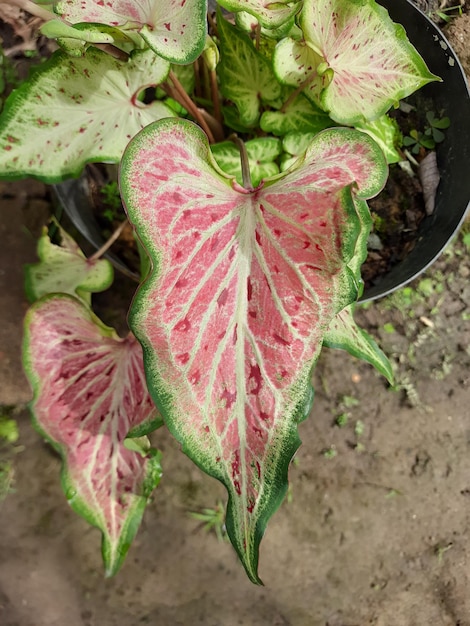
246	175
107	244
188	104
297	91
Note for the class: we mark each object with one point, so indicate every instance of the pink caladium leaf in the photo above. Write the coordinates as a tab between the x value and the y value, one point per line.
89	395
244	285
367	63
76	111
176	29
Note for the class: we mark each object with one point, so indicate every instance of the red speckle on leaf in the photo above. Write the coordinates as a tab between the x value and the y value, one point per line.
263	416
186	212
222	299
255	375
167	25
183	358
228	398
258	238
281	340
249	289
181	282
183	325
237	486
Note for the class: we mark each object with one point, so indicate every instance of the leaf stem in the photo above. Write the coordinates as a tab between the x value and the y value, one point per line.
215	97
105	247
257	35
188	104
246	175
297	91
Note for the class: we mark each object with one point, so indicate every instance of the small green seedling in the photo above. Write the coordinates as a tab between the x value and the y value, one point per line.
330	453
447	14
431	136
212	520
112	199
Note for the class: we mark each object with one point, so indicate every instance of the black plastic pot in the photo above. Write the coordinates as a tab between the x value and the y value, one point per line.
453	155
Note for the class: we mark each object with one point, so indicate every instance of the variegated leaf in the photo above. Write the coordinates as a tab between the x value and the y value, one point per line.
372	62
345	334
269	14
245	75
176	29
65	269
244	286
262	153
77	110
300	115
294	145
89	392
386	133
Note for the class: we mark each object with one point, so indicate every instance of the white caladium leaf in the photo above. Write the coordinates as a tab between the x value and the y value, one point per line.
246	76
373	64
65	269
269	14
343	333
77	110
262	153
89	393
386	133
243	288
300	115
176	30
295	64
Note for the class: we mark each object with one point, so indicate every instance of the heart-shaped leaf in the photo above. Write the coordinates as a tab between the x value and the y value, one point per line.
367	63
269	14
262	153
244	286
77	110
89	393
245	75
65	269
175	30
345	334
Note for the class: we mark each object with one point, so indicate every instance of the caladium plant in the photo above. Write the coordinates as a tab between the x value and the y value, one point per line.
246	183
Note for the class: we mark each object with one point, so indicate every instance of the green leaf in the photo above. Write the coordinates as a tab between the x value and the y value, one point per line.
300	115
65	269
245	75
385	132
262	153
294	145
345	334
73	111
269	14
